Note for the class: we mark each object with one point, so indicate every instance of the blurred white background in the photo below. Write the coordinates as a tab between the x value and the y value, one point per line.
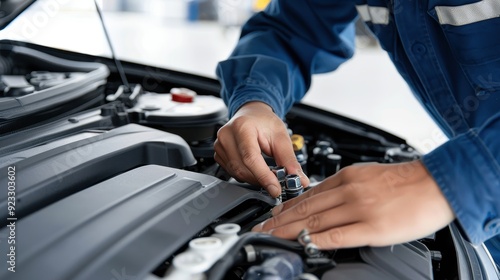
193	35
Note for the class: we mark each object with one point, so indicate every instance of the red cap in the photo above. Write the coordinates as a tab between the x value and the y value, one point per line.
182	95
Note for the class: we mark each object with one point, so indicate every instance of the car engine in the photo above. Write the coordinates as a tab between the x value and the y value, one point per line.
119	182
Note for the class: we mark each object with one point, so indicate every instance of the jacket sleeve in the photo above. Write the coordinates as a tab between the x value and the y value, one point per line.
281	47
467	168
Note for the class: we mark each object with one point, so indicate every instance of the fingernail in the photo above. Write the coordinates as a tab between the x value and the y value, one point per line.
270	231
276	210
303	175
273	189
258	227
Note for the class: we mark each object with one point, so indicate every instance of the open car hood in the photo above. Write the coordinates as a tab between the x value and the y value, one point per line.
10	9
107	182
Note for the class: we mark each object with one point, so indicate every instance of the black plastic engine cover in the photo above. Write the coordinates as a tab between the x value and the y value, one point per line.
129	223
49	171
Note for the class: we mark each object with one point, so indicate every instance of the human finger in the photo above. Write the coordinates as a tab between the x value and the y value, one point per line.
225	146
314	223
329	183
303	210
347	236
284	155
250	154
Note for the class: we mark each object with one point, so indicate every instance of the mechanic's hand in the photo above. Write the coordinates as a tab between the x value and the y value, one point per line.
252	130
365	205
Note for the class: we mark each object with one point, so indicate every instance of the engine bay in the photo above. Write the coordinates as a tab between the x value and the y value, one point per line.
121	182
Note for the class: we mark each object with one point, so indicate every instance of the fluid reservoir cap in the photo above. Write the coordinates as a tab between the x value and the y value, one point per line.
228	228
191	262
297	142
205	244
182	95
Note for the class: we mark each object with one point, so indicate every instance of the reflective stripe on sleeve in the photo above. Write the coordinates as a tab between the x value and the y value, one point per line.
470	13
376	15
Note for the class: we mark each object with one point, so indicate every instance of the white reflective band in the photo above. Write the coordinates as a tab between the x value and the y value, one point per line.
470	13
377	15
363	12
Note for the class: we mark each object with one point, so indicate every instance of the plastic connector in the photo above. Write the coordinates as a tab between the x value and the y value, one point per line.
203	252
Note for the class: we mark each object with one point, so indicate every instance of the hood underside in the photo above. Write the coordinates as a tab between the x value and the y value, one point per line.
10	9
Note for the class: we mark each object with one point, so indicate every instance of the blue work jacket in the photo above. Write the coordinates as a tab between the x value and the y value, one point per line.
448	51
